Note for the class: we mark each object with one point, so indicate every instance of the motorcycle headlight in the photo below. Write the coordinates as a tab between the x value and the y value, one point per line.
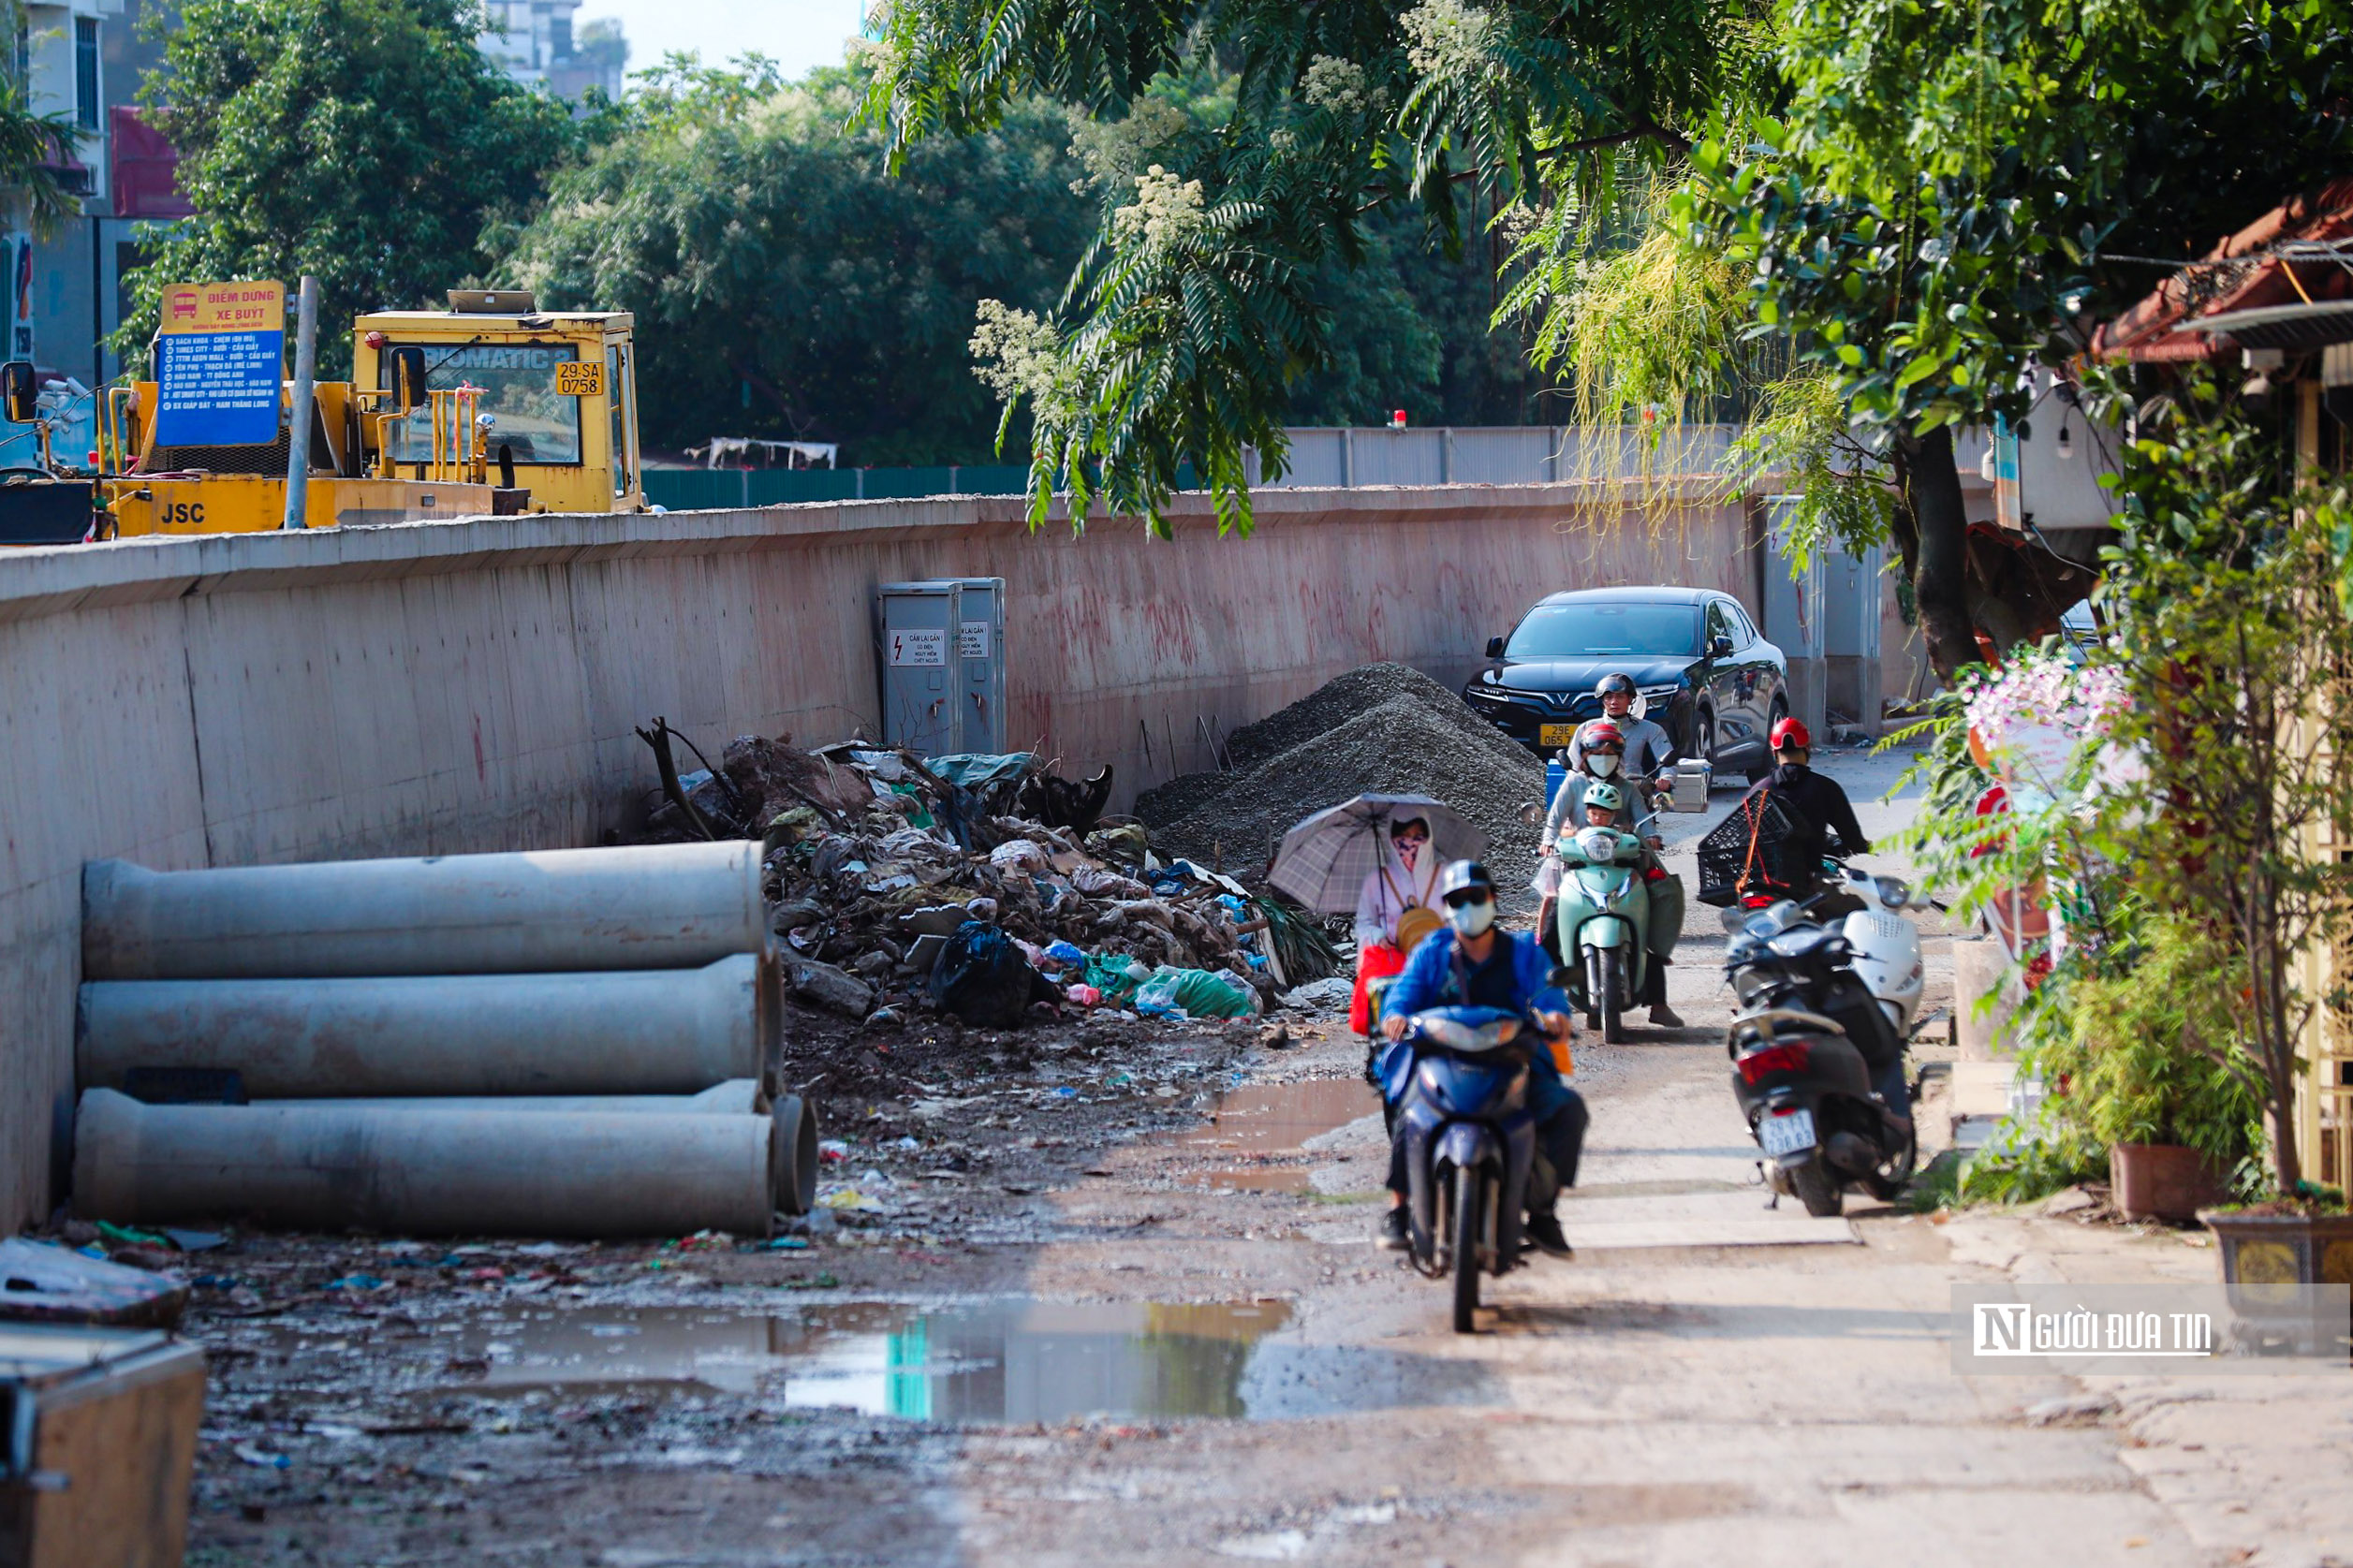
1893	892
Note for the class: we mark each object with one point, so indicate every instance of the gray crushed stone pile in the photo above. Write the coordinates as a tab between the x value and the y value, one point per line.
1383	729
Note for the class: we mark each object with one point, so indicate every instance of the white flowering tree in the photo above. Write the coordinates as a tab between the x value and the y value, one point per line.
1192	314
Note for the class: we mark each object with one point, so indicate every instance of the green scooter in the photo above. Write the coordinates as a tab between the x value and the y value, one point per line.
1604	911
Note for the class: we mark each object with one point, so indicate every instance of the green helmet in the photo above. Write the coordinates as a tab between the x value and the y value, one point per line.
1607	795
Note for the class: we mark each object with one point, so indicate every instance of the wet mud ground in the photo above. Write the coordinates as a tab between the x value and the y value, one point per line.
1109	1296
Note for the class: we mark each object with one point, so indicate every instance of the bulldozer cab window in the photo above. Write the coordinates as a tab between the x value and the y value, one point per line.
517	383
616	380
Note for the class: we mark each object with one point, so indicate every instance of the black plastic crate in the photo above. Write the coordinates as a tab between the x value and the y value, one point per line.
1755	839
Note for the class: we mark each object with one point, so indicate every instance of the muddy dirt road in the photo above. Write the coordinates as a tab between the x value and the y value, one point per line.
1070	1319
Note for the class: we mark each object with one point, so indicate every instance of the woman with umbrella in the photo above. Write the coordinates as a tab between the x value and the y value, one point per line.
1380	856
1395	908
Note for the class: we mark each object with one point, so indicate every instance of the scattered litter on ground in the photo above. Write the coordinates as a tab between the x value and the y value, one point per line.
899	882
45	1283
2071	1410
1320	996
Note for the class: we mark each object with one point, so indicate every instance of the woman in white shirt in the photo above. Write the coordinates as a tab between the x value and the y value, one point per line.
1396	907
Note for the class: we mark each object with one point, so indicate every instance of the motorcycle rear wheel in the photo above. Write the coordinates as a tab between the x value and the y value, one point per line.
1468	1185
1819	1188
1895	1173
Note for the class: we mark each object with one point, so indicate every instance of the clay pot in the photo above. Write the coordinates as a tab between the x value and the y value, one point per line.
2284	1249
2163	1182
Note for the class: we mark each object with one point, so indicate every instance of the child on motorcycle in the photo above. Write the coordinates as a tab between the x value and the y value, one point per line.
1605	805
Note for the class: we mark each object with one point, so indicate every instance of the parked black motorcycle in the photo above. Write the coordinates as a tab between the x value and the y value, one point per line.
1809	1042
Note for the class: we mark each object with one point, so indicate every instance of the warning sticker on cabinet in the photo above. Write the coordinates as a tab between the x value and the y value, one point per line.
973	643
918	647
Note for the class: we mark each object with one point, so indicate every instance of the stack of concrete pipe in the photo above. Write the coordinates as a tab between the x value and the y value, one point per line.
567	1043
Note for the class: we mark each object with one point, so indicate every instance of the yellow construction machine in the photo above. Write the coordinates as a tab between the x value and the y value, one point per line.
489	408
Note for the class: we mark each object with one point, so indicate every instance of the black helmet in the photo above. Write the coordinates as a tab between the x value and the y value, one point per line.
1618	684
1461	877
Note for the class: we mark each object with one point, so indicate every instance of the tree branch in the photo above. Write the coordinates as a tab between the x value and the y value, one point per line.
1649	130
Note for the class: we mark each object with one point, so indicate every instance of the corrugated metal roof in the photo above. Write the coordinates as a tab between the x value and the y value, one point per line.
2263	287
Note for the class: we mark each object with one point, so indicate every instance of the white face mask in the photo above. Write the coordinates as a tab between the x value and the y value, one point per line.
1472	919
1602	763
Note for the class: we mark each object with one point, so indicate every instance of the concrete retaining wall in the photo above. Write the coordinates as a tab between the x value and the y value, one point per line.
431	688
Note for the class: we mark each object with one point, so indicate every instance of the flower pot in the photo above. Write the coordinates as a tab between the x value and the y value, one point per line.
2163	1182
2282	1248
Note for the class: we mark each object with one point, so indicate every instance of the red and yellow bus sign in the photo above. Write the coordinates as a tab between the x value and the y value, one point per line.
220	359
224	307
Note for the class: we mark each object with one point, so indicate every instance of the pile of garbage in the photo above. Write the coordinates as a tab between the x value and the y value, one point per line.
981	884
1380	729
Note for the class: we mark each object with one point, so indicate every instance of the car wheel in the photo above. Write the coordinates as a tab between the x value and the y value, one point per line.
1756	771
1703	747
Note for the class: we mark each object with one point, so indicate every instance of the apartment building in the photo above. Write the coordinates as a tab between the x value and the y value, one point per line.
83	59
537	42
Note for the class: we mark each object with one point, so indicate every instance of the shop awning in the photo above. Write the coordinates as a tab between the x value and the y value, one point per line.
2284	281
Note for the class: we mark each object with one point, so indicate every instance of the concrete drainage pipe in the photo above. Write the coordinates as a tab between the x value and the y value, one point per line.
628	1032
651	906
423	1172
792	1145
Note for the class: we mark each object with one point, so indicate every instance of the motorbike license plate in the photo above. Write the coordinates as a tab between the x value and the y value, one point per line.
1785	1134
1556	735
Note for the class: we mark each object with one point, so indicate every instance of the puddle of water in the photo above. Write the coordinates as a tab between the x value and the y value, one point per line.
1257	1122
1006	1361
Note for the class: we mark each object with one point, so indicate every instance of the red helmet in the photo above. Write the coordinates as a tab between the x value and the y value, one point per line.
1600	735
1790	735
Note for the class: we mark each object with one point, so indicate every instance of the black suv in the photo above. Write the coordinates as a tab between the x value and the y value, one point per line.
1707	678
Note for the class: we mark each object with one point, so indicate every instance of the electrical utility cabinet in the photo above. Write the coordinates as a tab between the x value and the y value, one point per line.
1793	613
1854	591
918	629
981	667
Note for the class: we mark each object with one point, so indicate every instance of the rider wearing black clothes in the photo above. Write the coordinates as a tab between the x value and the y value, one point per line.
1821	818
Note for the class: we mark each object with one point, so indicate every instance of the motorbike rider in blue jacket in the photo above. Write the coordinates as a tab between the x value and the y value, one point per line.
1468	962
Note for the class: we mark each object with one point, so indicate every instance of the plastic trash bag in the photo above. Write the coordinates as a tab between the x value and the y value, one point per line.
1195	993
1116	975
982	977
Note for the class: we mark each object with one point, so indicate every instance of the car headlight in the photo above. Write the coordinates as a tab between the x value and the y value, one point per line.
1659	694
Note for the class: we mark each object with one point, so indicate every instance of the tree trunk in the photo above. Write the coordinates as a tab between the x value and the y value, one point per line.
1940	568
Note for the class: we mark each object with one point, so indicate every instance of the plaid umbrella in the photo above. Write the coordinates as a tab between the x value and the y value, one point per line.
1325	859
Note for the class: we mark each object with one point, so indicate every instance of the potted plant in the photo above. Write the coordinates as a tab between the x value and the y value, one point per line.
2305	1238
2234	631
2155	1075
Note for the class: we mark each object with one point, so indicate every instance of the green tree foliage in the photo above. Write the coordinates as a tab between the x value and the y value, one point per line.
1943	197
1411	329
367	142
2185	840
2234	600
783	284
1200	304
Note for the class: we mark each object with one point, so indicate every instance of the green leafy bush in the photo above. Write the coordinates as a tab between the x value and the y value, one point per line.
2152	1054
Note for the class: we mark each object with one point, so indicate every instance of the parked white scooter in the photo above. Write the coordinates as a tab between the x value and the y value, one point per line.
1886	946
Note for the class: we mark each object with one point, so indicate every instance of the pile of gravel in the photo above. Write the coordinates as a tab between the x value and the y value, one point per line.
1380	729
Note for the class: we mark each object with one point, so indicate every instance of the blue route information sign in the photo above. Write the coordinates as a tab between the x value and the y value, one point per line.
220	364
